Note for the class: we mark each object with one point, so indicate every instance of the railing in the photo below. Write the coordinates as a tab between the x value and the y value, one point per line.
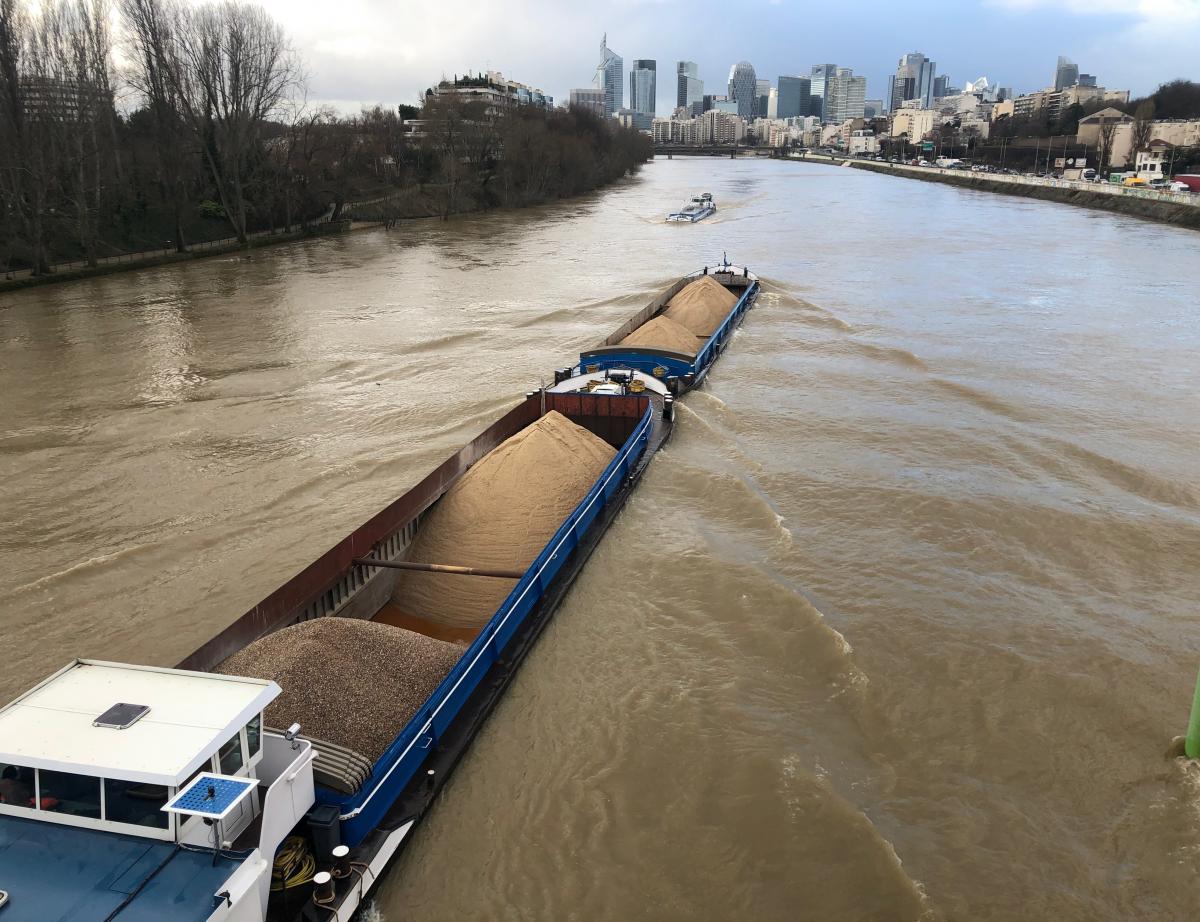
408	752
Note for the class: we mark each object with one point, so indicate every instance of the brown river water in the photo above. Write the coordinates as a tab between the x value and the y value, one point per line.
900	624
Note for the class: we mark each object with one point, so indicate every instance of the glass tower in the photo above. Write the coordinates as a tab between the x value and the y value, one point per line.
794	93
743	89
643	90
610	73
689	91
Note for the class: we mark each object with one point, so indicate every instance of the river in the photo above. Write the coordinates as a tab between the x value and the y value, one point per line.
900	625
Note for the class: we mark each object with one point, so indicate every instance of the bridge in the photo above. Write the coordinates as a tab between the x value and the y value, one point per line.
712	150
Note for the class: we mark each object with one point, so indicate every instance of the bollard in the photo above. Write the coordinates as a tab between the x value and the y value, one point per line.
1191	742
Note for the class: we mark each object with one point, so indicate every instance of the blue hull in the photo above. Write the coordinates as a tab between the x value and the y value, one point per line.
668	366
405	759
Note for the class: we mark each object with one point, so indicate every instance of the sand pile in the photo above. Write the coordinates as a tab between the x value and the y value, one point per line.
701	306
499	515
351	682
664	333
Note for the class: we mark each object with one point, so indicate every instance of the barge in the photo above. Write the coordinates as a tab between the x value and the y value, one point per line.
699	208
134	793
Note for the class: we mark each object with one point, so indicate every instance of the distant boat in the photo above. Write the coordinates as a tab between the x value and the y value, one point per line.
699	208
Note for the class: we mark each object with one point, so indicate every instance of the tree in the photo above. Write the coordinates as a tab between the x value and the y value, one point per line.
70	63
1108	131
1143	125
229	68
1068	119
21	218
150	42
1177	99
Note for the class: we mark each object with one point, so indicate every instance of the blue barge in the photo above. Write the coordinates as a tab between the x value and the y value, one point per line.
178	802
679	372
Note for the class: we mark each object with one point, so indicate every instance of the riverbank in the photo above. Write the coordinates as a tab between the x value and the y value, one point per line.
404	207
1164	207
126	262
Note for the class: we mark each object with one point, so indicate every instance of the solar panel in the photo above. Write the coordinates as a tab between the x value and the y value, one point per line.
121	716
211	796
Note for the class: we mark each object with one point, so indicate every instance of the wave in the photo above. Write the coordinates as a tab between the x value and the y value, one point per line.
81	568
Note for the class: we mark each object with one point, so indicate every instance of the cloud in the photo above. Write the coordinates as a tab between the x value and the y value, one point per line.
389	52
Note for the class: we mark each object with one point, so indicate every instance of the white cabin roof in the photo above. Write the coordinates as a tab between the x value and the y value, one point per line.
191	714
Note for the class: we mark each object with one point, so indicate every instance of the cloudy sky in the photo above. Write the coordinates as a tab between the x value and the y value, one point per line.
364	51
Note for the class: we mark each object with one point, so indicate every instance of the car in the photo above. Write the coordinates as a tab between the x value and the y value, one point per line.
1178	187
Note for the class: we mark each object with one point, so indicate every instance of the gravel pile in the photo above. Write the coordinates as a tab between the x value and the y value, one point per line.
701	306
351	682
499	515
664	333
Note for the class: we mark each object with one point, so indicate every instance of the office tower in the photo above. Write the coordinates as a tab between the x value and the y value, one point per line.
589	98
794	94
873	108
941	86
845	96
609	74
762	96
1087	80
1066	74
643	89
689	87
743	88
913	80
819	81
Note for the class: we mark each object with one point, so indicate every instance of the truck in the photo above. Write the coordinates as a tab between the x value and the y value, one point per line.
1080	174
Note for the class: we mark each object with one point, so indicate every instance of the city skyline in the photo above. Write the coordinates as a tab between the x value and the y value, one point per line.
373	52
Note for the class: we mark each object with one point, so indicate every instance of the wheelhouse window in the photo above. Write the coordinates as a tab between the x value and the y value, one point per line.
69	793
254	736
135	803
230	756
17	786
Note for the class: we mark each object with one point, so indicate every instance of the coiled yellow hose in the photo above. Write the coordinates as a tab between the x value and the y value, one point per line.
294	864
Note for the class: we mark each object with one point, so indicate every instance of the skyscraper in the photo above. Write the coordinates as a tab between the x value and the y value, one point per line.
689	87
794	93
913	80
743	88
822	75
762	96
643	79
589	98
845	96
941	86
1066	74
610	73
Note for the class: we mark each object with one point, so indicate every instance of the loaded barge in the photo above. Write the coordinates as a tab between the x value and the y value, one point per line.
133	793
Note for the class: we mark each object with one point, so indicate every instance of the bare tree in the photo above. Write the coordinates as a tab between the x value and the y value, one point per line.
151	45
15	217
1108	131
1143	125
70	64
228	67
